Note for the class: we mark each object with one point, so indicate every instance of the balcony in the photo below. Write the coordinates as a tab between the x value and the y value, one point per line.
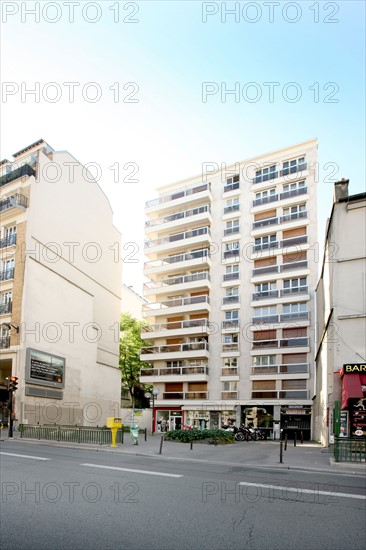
231	276
232	186
265	200
293	193
229	347
232	208
14	201
265	246
231	231
9	240
294	241
170	283
294	216
186	395
263	223
294	290
265	319
265	177
227	300
229	395
265	294
25	170
179	238
265	270
4	342
230	325
229	371
185	372
294	368
172	263
175	351
272	394
185	216
295	316
161	308
264	394
284	343
293	169
7	274
186	194
178	328
263	344
5	308
294	265
235	253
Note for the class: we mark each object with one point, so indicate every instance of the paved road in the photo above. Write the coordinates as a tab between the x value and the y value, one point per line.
61	498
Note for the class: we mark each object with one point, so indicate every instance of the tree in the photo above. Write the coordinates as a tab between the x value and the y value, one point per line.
129	353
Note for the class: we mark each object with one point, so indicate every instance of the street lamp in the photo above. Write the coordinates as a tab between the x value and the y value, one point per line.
152	396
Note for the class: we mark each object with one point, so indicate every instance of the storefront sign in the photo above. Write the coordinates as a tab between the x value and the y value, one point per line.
354	368
296	411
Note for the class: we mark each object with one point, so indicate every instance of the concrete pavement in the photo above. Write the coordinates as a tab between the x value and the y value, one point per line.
260	454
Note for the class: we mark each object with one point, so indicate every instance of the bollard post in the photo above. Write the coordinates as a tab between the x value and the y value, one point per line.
191	443
294	439
161	444
281	451
286	442
302	437
145	434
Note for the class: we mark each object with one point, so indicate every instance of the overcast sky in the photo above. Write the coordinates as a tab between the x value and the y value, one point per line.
138	101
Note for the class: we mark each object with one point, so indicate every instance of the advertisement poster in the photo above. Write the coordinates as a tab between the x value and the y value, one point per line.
45	369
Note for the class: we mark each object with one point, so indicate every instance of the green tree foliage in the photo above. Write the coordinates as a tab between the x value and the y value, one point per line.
129	353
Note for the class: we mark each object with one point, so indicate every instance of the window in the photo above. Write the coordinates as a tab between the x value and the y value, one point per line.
294	212
232	183
263	243
232	315
265	196
267	311
232	291
266	174
231	362
265	290
293	166
232	249
230	338
233	268
264	360
294	308
231	205
294	188
233	179
229	386
231	296
299	284
232	227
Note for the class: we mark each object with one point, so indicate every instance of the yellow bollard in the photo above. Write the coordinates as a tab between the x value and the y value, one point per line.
114	424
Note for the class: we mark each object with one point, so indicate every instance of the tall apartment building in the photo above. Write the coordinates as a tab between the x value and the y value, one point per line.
231	279
341	319
60	291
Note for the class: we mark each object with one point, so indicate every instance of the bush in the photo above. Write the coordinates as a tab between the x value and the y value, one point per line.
185	436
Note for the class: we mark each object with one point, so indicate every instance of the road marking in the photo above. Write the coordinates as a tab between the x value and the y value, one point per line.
299	489
130	470
25	456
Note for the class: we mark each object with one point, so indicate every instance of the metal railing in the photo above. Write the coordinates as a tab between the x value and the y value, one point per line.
232	208
263	223
294	265
265	177
204	253
294	216
293	169
267	269
178	195
186	395
265	294
295	316
7	274
74	434
230	346
293	193
4	342
231	186
14	200
6	307
231	276
177	371
178	237
265	200
273	394
265	319
233	324
232	253
234	299
9	240
349	449
175	348
181	279
178	215
177	325
25	170
229	395
293	368
294	290
283	343
229	371
177	302
231	230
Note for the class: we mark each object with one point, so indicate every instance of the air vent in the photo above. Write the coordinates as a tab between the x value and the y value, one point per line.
41	392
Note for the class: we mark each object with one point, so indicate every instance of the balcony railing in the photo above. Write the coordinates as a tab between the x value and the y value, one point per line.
293	193
231	230
265	294
176	371
265	222
265	319
265	246
264	270
25	170
178	215
230	299
231	346
288	394
5	307
283	343
14	200
204	253
186	395
4	342
231	186
293	290
294	216
231	276
178	195
174	348
232	208
264	394
293	169
265	200
179	280
7	274
294	368
234	323
177	302
295	316
294	265
232	253
178	237
177	325
229	371
229	395
265	177
9	240
302	239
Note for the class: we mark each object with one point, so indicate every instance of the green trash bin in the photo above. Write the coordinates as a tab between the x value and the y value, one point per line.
134	431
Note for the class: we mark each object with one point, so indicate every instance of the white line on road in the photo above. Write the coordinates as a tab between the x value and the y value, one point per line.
130	470
300	490
25	456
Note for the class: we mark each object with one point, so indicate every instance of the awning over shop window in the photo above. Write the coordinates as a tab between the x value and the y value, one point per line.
352	387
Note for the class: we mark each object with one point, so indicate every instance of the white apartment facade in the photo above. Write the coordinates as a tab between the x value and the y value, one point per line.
60	290
231	278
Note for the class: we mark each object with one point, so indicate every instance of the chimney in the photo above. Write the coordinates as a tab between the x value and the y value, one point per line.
341	189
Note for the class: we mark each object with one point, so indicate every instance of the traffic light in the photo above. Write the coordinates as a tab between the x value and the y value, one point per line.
13	383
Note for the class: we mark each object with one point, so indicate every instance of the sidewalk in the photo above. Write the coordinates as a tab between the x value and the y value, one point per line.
254	454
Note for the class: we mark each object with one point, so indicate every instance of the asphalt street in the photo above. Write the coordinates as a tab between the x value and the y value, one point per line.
62	498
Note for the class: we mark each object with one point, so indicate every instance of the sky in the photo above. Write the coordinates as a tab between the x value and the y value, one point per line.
140	91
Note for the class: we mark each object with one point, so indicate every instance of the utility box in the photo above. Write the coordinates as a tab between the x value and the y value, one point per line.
113	422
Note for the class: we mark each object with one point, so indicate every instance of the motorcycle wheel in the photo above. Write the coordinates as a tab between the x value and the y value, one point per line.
239	436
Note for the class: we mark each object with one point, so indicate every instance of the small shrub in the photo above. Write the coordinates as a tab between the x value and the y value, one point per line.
185	436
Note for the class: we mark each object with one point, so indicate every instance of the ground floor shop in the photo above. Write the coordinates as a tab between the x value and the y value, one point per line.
353	403
186	418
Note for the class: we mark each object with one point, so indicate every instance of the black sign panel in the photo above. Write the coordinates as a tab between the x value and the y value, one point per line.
45	369
354	368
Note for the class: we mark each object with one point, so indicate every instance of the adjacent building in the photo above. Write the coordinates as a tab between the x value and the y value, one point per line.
341	319
60	290
231	273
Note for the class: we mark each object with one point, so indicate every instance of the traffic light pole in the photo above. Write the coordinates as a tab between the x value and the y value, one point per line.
10	408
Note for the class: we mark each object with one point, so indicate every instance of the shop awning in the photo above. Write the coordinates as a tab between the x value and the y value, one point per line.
352	388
